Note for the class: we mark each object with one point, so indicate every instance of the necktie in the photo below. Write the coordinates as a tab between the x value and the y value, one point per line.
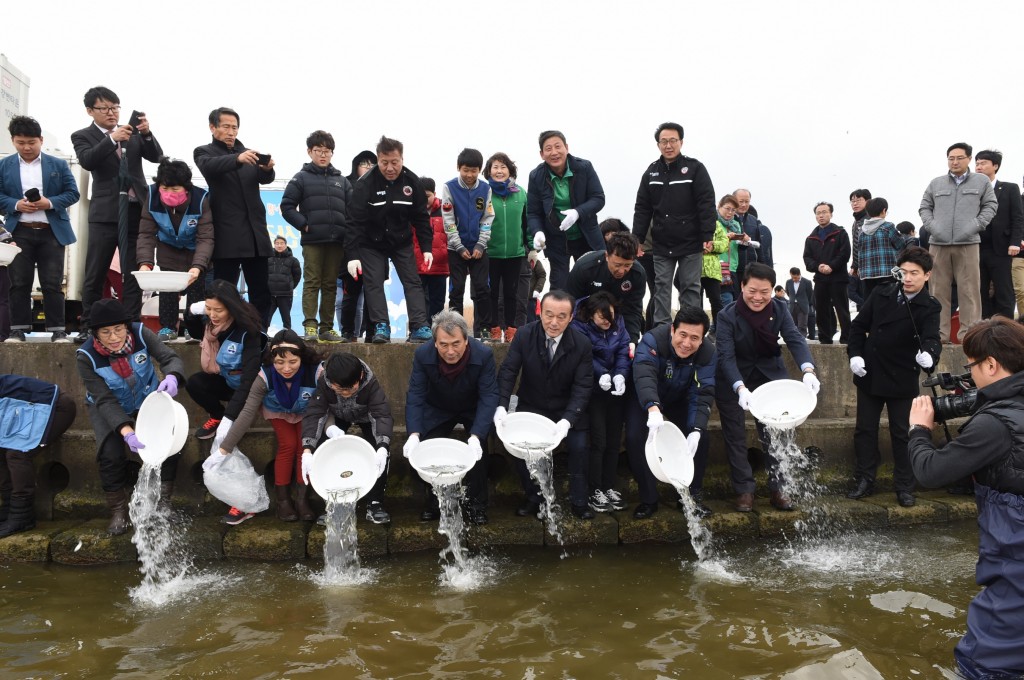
551	348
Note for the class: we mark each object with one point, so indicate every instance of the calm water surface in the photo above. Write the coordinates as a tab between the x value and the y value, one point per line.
861	606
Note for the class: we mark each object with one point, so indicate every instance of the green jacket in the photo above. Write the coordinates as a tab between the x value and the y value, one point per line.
732	256
712	262
508	230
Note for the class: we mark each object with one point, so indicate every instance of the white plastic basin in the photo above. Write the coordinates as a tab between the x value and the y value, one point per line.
525	433
442	461
161	281
782	403
7	253
343	464
669	456
162	427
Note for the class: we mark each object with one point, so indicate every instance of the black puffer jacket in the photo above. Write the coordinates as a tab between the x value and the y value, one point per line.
316	203
283	272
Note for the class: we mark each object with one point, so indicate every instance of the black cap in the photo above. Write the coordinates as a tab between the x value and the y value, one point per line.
107	312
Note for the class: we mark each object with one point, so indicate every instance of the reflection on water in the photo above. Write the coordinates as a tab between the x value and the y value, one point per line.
865	606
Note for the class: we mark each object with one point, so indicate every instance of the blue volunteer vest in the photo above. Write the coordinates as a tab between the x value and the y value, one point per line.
131	391
469	209
26	405
306	390
185	237
229	358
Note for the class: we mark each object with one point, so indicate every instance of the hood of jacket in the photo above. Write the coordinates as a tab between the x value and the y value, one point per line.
871	225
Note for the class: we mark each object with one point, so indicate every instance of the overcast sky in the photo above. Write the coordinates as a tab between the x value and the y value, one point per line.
799	102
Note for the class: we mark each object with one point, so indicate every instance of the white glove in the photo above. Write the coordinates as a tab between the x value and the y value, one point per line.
381	459
411	443
655	421
620	386
539	241
812	382
499	415
475	448
571	216
693	439
743	396
605	381
307	466
355	268
221	433
924	360
214	461
333	432
428	259
562	429
632	349
536	295
753	244
857	367
198	308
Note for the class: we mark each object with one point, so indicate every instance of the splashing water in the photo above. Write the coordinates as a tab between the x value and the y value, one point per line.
801	483
164	563
540	464
341	541
700	535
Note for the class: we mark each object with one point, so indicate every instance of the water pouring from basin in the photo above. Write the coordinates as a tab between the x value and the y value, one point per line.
532	437
162	426
671	460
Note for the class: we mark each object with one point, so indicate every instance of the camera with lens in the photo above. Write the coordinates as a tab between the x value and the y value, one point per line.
961	401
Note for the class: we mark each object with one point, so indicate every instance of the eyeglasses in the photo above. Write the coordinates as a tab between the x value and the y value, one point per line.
366	164
106	109
111	331
968	367
957	158
322	152
668	142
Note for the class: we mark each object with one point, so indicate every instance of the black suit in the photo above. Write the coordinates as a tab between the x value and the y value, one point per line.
801	302
1005	229
884	335
557	388
98	154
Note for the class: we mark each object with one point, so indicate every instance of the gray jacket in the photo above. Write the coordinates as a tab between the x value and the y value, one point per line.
956	215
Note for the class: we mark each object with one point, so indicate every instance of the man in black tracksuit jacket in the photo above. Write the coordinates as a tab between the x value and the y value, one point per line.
677	200
384	214
593	272
826	253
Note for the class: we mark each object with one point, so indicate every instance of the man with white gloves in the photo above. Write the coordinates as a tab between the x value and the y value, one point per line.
894	336
749	355
565	195
674	376
554	364
350	393
453	382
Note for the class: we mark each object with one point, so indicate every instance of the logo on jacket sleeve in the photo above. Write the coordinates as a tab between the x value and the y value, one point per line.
480	203
407	190
446	207
685	170
627	286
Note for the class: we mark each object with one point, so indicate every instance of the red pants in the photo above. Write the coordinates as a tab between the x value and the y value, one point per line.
289	447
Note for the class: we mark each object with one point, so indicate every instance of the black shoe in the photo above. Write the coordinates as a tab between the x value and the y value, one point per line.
430	514
16	336
477	516
82	337
616	500
376	513
60	337
348	337
905	498
528	509
583	512
208	429
599	502
645	510
702	510
863	489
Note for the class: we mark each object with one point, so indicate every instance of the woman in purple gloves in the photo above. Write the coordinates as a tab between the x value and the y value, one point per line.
117	369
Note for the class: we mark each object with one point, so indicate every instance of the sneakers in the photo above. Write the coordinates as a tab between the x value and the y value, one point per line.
330	335
16	336
510	333
60	337
376	513
381	334
208	429
615	500
421	335
598	502
234	517
495	334
311	334
348	336
167	334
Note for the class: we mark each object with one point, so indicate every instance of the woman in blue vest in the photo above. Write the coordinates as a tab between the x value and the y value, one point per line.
281	391
116	365
177	223
229	354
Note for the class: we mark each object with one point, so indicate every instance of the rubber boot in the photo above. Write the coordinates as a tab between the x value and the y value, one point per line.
285	509
306	513
166	491
117	501
21	516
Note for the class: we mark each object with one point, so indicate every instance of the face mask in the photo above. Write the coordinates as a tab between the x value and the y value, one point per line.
172	199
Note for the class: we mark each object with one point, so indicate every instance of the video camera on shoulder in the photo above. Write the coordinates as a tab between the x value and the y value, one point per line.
963	399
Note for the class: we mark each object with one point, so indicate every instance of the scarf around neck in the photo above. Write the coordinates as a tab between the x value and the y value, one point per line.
766	343
503	188
210	345
287	394
451	372
118	358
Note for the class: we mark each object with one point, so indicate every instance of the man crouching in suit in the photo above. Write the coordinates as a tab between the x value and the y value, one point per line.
749	356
